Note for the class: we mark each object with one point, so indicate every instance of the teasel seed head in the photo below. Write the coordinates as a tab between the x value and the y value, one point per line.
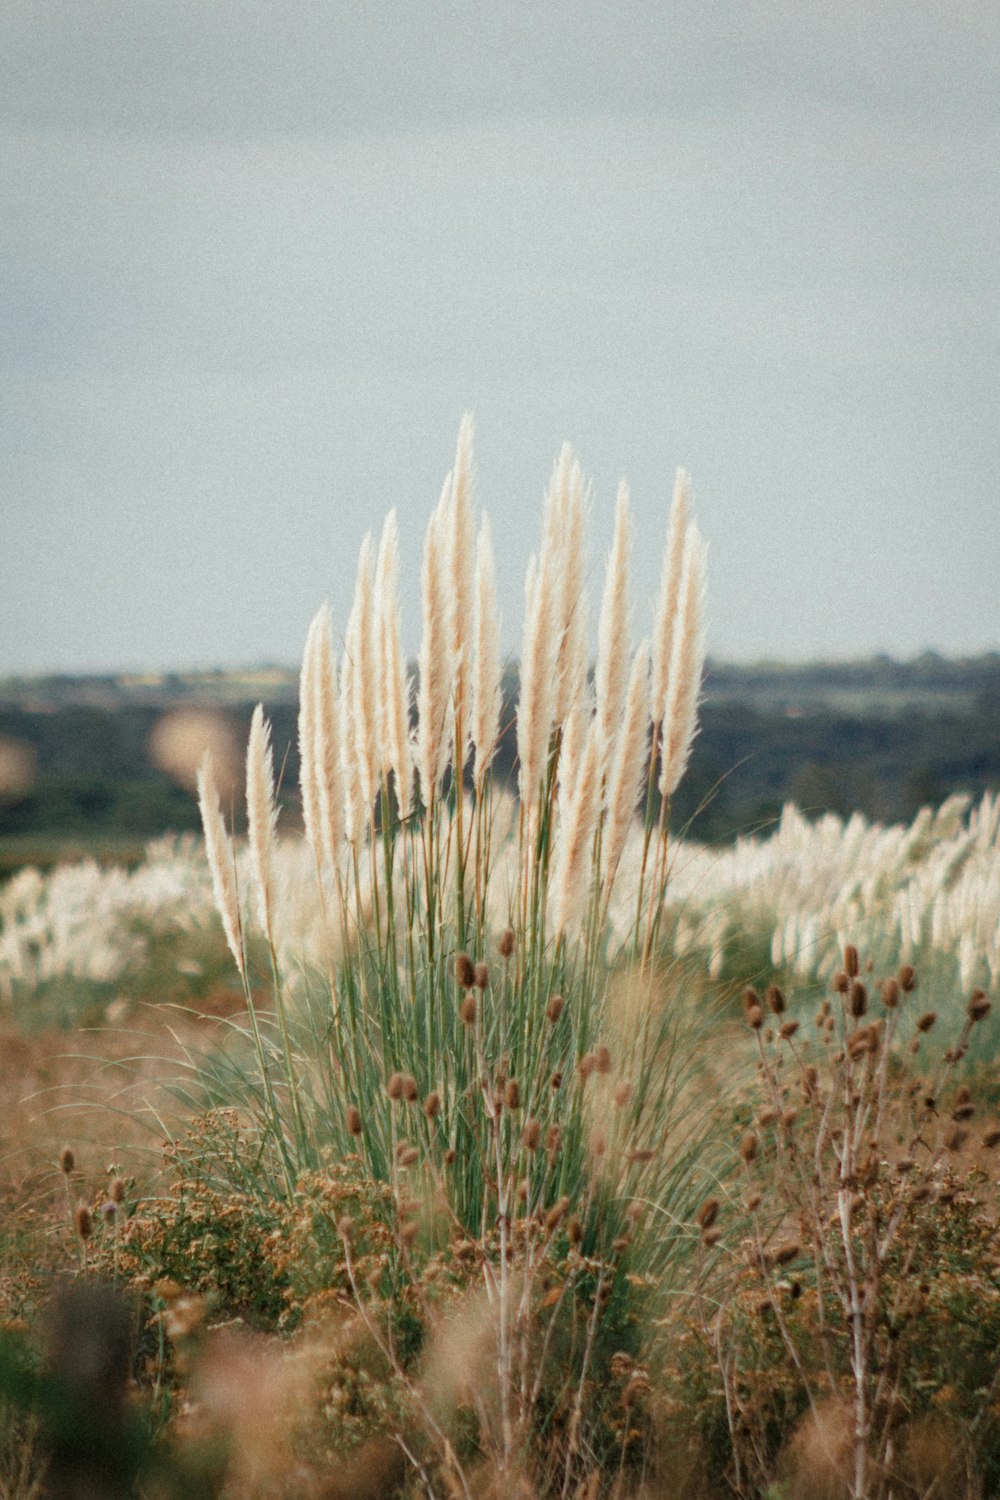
406	1154
553	1139
432	1105
83	1221
116	1190
991	1139
602	1058
707	1213
857	998
468	1008
512	1094
852	961
775	999
556	1214
409	1089
748	1147
555	1082
623	1093
505	942
710	1237
789	1118
841	982
574	1231
586	1066
353	1118
954	1138
753	1202
752	1009
926	1021
465	971
787	1030
554	1009
531	1135
890	993
481	976
67	1161
979	1005
785	1254
907	979
449	1156
394	1086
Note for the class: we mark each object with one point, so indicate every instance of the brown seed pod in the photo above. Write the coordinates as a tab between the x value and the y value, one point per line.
602	1058
410	1091
852	961
623	1093
406	1154
748	1147
554	1009
352	1116
432	1105
512	1094
788	1118
640	1156
556	1214
841	982
409	1231
553	1139
890	993
574	1231
83	1221
468	1009
481	976
907	979
857	999
116	1190
954	1138
67	1161
586	1065
555	1082
505	942
449	1156
775	999
465	971
753	1202
707	1213
787	1030
783	1255
394	1086
927	1020
753	1011
531	1135
979	1005
991	1139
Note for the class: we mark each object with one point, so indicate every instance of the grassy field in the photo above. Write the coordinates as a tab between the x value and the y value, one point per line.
504	1142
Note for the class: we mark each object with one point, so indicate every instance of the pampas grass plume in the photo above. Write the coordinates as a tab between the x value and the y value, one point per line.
436	661
262	815
573	862
394	688
687	662
628	764
486	672
611	671
221	861
667	604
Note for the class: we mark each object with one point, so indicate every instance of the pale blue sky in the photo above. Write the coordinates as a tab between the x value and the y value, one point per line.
258	258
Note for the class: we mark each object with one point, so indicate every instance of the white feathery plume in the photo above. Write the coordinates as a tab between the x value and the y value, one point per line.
670	584
686	665
574	739
221	860
326	738
573	855
262	815
628	762
611	671
308	776
572	668
354	804
394	689
539	654
461	551
362	646
487	693
434	720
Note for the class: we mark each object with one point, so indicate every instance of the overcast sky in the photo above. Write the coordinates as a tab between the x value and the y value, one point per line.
256	260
